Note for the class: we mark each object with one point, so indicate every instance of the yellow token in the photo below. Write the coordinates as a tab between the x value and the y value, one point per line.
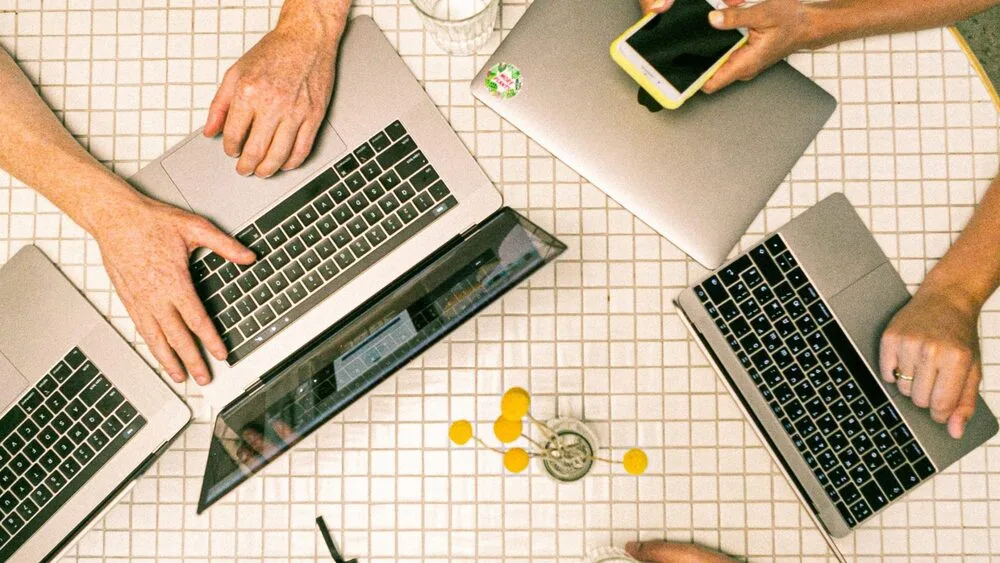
460	432
507	430
635	461
515	403
515	460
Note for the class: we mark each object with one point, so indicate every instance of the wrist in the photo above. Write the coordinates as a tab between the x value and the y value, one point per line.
315	21
957	291
815	27
110	207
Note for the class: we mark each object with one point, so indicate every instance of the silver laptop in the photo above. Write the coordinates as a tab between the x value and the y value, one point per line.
388	183
387	239
793	327
698	175
82	415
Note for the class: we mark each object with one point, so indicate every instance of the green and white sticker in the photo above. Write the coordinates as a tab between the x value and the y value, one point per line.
504	80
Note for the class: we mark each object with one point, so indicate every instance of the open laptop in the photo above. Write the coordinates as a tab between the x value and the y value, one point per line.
387	238
793	327
82	414
699	175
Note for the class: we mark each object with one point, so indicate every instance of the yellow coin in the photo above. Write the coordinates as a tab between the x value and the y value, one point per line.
515	403
507	430
515	460
460	432
635	461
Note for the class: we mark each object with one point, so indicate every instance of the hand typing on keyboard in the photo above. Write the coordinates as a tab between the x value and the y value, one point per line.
272	101
930	349
146	246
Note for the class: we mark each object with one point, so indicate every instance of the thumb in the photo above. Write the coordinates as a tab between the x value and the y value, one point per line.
204	234
731	18
966	403
656	6
220	104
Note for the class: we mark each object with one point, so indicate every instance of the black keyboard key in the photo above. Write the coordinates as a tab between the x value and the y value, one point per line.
31	401
907	477
411	164
276	238
64	447
110	402
731	273
376	235
860	474
339	193
851	427
55	481
297	292
396	152
740	328
373	215
295	248
357	226
862	443
325	249
41	496
775	245
861	510
395	130
749	308
872	459
344	258
889	484
785	327
280	304
364	153
355	182
807	360
360	247
820	314
826	460
62	422
8	502
264	316
901	434
380	142
816	408
861	407
785	262
249	327
889	415
78	433
838	477
28	430
855	365
33	449
126	412
764	295
247	282
346	165
311	236
806	324
75	358
27	509
766	265
729	311
326	225
47	385
261	295
795	308
312	281
407	213
924	468
69	467
48	436
293	272
805	426
61	372
97	388
210	285
246	306
35	474
50	460
328	270
796	277
19	463
12	523
439	191
750	343
232	293
423	202
850	493
424	178
371	170
199	271
389	181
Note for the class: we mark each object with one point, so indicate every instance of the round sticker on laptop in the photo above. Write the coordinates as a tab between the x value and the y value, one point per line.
504	80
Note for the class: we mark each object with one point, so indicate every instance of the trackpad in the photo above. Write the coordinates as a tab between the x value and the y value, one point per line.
207	178
12	383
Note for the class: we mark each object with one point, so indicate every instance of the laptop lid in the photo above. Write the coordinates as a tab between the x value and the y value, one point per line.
700	174
369	345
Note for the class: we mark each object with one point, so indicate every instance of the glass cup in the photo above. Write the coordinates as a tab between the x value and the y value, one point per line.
460	27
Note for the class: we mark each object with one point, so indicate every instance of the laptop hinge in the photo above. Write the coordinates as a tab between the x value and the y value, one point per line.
254	386
468	231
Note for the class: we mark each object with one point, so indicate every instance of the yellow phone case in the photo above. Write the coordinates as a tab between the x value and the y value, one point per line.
648	86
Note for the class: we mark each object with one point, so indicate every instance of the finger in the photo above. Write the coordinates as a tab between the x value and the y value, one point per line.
196	318
754	17
742	64
202	233
255	148
183	344
219	108
238	121
924	375
658	6
260	443
126	296
734	3
966	403
283	430
888	355
954	370
281	147
161	349
303	143
906	363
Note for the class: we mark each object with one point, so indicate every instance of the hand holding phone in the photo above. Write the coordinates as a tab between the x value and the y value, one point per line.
671	55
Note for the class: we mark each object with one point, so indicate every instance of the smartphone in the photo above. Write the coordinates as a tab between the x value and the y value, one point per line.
673	54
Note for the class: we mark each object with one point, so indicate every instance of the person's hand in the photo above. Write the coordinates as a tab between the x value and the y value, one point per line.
777	28
273	100
670	552
934	340
146	247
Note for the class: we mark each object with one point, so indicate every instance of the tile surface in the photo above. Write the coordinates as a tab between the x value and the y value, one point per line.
913	144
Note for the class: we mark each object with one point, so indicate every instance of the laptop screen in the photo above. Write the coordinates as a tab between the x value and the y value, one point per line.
378	338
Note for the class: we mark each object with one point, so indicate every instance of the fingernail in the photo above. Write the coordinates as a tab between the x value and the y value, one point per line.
658	5
715	18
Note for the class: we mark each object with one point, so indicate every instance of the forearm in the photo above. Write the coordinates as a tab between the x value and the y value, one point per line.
969	272
37	150
832	21
324	20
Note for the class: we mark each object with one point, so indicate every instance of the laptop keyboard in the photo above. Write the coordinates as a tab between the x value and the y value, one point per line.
53	440
321	237
816	383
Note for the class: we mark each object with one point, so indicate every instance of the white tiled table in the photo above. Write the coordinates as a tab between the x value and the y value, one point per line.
914	144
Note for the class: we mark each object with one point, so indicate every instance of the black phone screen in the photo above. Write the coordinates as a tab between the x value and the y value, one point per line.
680	43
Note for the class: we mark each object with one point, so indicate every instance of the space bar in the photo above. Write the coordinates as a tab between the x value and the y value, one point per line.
855	365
